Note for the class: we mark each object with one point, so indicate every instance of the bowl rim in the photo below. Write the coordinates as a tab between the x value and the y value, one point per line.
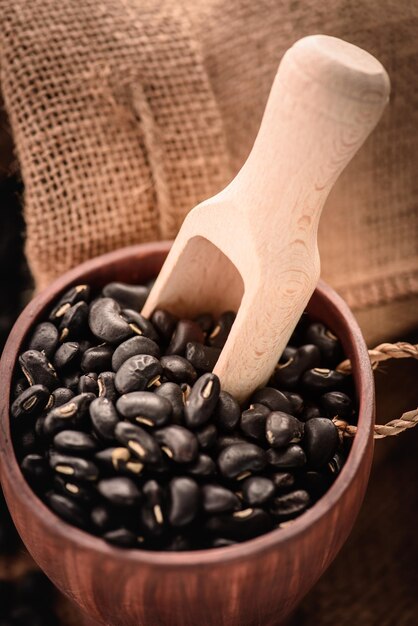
273	539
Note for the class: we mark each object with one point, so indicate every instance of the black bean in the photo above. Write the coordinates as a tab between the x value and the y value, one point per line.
75	442
184	501
185	331
241	525
327	342
31	401
206	436
217	499
139	324
179	543
283	481
44	339
119	460
104	418
68	415
283	429
97	359
35	469
71	380
68	299
203	466
20	385
290	505
291	457
288	373
205	321
253	422
320	441
337	404
106	385
67	355
137	373
77	491
26	440
227	412
60	396
316	484
127	296
202	357
122	538
202	400
88	384
310	410
106	323
296	401
152	511
132	347
177	369
120	491
229	440
240	460
144	407
219	334
38	370
103	518
257	490
222	542
336	463
178	443
173	393
272	398
67	508
164	323
142	444
71	466
74	323
322	380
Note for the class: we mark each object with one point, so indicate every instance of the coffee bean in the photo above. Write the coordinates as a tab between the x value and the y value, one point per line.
217	499
67	508
73	467
327	343
127	296
75	442
106	323
88	384
38	370
120	491
322	380
184	501
106	385
202	400
203	466
240	460
30	402
253	422
241	525
337	404
145	408
132	347
320	441
68	415
219	334
173	393
283	481
67	355
288	372
153	508
138	441
227	412
185	332
178	443
291	457
202	357
283	429
176	369
139	324
104	418
257	490
74	322
44	339
164	323
207	436
97	359
68	299
137	373
273	399
290	505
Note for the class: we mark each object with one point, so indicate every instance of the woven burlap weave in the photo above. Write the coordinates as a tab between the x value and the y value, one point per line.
125	113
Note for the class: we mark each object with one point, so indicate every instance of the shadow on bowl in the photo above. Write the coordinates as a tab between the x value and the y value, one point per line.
256	583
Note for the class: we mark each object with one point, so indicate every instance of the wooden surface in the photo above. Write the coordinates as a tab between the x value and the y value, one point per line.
254	245
251	584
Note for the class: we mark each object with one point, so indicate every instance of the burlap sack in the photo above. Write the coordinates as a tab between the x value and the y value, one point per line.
125	113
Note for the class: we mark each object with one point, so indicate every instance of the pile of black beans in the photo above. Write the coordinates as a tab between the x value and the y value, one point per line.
27	601
122	429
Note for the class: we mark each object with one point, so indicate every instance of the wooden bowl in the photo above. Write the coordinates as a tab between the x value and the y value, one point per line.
254	583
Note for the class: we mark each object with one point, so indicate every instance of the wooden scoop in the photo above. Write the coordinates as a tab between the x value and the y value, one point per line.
252	248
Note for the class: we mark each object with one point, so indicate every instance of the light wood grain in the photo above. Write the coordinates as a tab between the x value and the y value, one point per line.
253	247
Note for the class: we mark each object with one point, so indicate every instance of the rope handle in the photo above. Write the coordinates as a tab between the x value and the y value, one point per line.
383	352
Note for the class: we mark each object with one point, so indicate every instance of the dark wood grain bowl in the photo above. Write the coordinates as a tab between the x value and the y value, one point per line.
254	583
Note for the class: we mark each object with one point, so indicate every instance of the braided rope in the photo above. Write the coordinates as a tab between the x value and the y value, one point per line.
383	352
